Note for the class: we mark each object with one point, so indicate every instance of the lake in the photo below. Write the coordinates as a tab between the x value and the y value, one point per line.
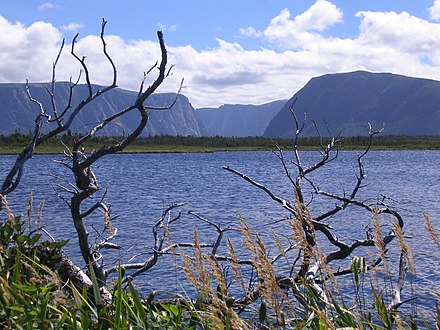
140	186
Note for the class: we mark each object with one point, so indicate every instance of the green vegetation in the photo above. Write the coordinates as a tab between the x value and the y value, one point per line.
12	144
34	296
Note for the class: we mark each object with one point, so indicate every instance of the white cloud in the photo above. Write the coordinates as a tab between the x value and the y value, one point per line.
304	28
319	16
46	6
27	52
250	32
400	31
295	49
167	27
72	27
434	10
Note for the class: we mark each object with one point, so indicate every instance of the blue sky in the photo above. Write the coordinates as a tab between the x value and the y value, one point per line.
228	51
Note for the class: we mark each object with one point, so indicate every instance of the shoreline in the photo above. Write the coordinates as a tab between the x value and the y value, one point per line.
51	151
14	144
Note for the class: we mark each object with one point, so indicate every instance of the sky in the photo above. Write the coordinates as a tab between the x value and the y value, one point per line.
227	51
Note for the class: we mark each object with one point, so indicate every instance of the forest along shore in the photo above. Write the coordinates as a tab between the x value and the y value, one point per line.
13	144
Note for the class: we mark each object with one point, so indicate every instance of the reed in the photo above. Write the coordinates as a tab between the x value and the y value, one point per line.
10	215
431	230
33	295
206	276
379	243
404	246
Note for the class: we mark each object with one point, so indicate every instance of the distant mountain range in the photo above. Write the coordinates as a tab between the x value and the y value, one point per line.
17	113
347	101
239	120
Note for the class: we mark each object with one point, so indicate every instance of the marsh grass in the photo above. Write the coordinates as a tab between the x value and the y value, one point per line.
33	295
206	276
270	304
433	235
431	230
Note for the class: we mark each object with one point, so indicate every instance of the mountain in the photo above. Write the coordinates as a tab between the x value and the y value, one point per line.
17	112
238	120
348	101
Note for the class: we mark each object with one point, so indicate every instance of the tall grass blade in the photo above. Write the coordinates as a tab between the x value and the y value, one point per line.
95	286
118	307
140	314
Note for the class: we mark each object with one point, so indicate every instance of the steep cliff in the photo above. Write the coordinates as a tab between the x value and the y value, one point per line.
238	120
348	101
17	112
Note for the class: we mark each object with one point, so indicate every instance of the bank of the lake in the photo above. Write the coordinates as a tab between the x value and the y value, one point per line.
13	144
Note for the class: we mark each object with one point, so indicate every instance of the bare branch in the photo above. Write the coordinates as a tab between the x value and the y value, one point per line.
52	90
217	227
283	202
104	50
314	269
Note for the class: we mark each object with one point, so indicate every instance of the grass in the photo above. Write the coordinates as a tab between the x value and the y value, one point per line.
33	296
276	307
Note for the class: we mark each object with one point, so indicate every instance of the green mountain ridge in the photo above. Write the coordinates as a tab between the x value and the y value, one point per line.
349	101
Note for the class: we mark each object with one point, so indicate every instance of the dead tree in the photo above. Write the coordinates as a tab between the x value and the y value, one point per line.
312	266
58	120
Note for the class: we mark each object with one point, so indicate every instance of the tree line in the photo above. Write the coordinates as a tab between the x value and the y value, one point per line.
221	142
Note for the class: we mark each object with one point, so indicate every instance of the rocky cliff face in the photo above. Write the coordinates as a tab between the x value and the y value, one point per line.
238	120
17	112
348	101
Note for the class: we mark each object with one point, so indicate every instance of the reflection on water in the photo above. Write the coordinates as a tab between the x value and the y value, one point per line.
140	186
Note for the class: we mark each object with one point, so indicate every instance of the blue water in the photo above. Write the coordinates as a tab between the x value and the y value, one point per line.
140	186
